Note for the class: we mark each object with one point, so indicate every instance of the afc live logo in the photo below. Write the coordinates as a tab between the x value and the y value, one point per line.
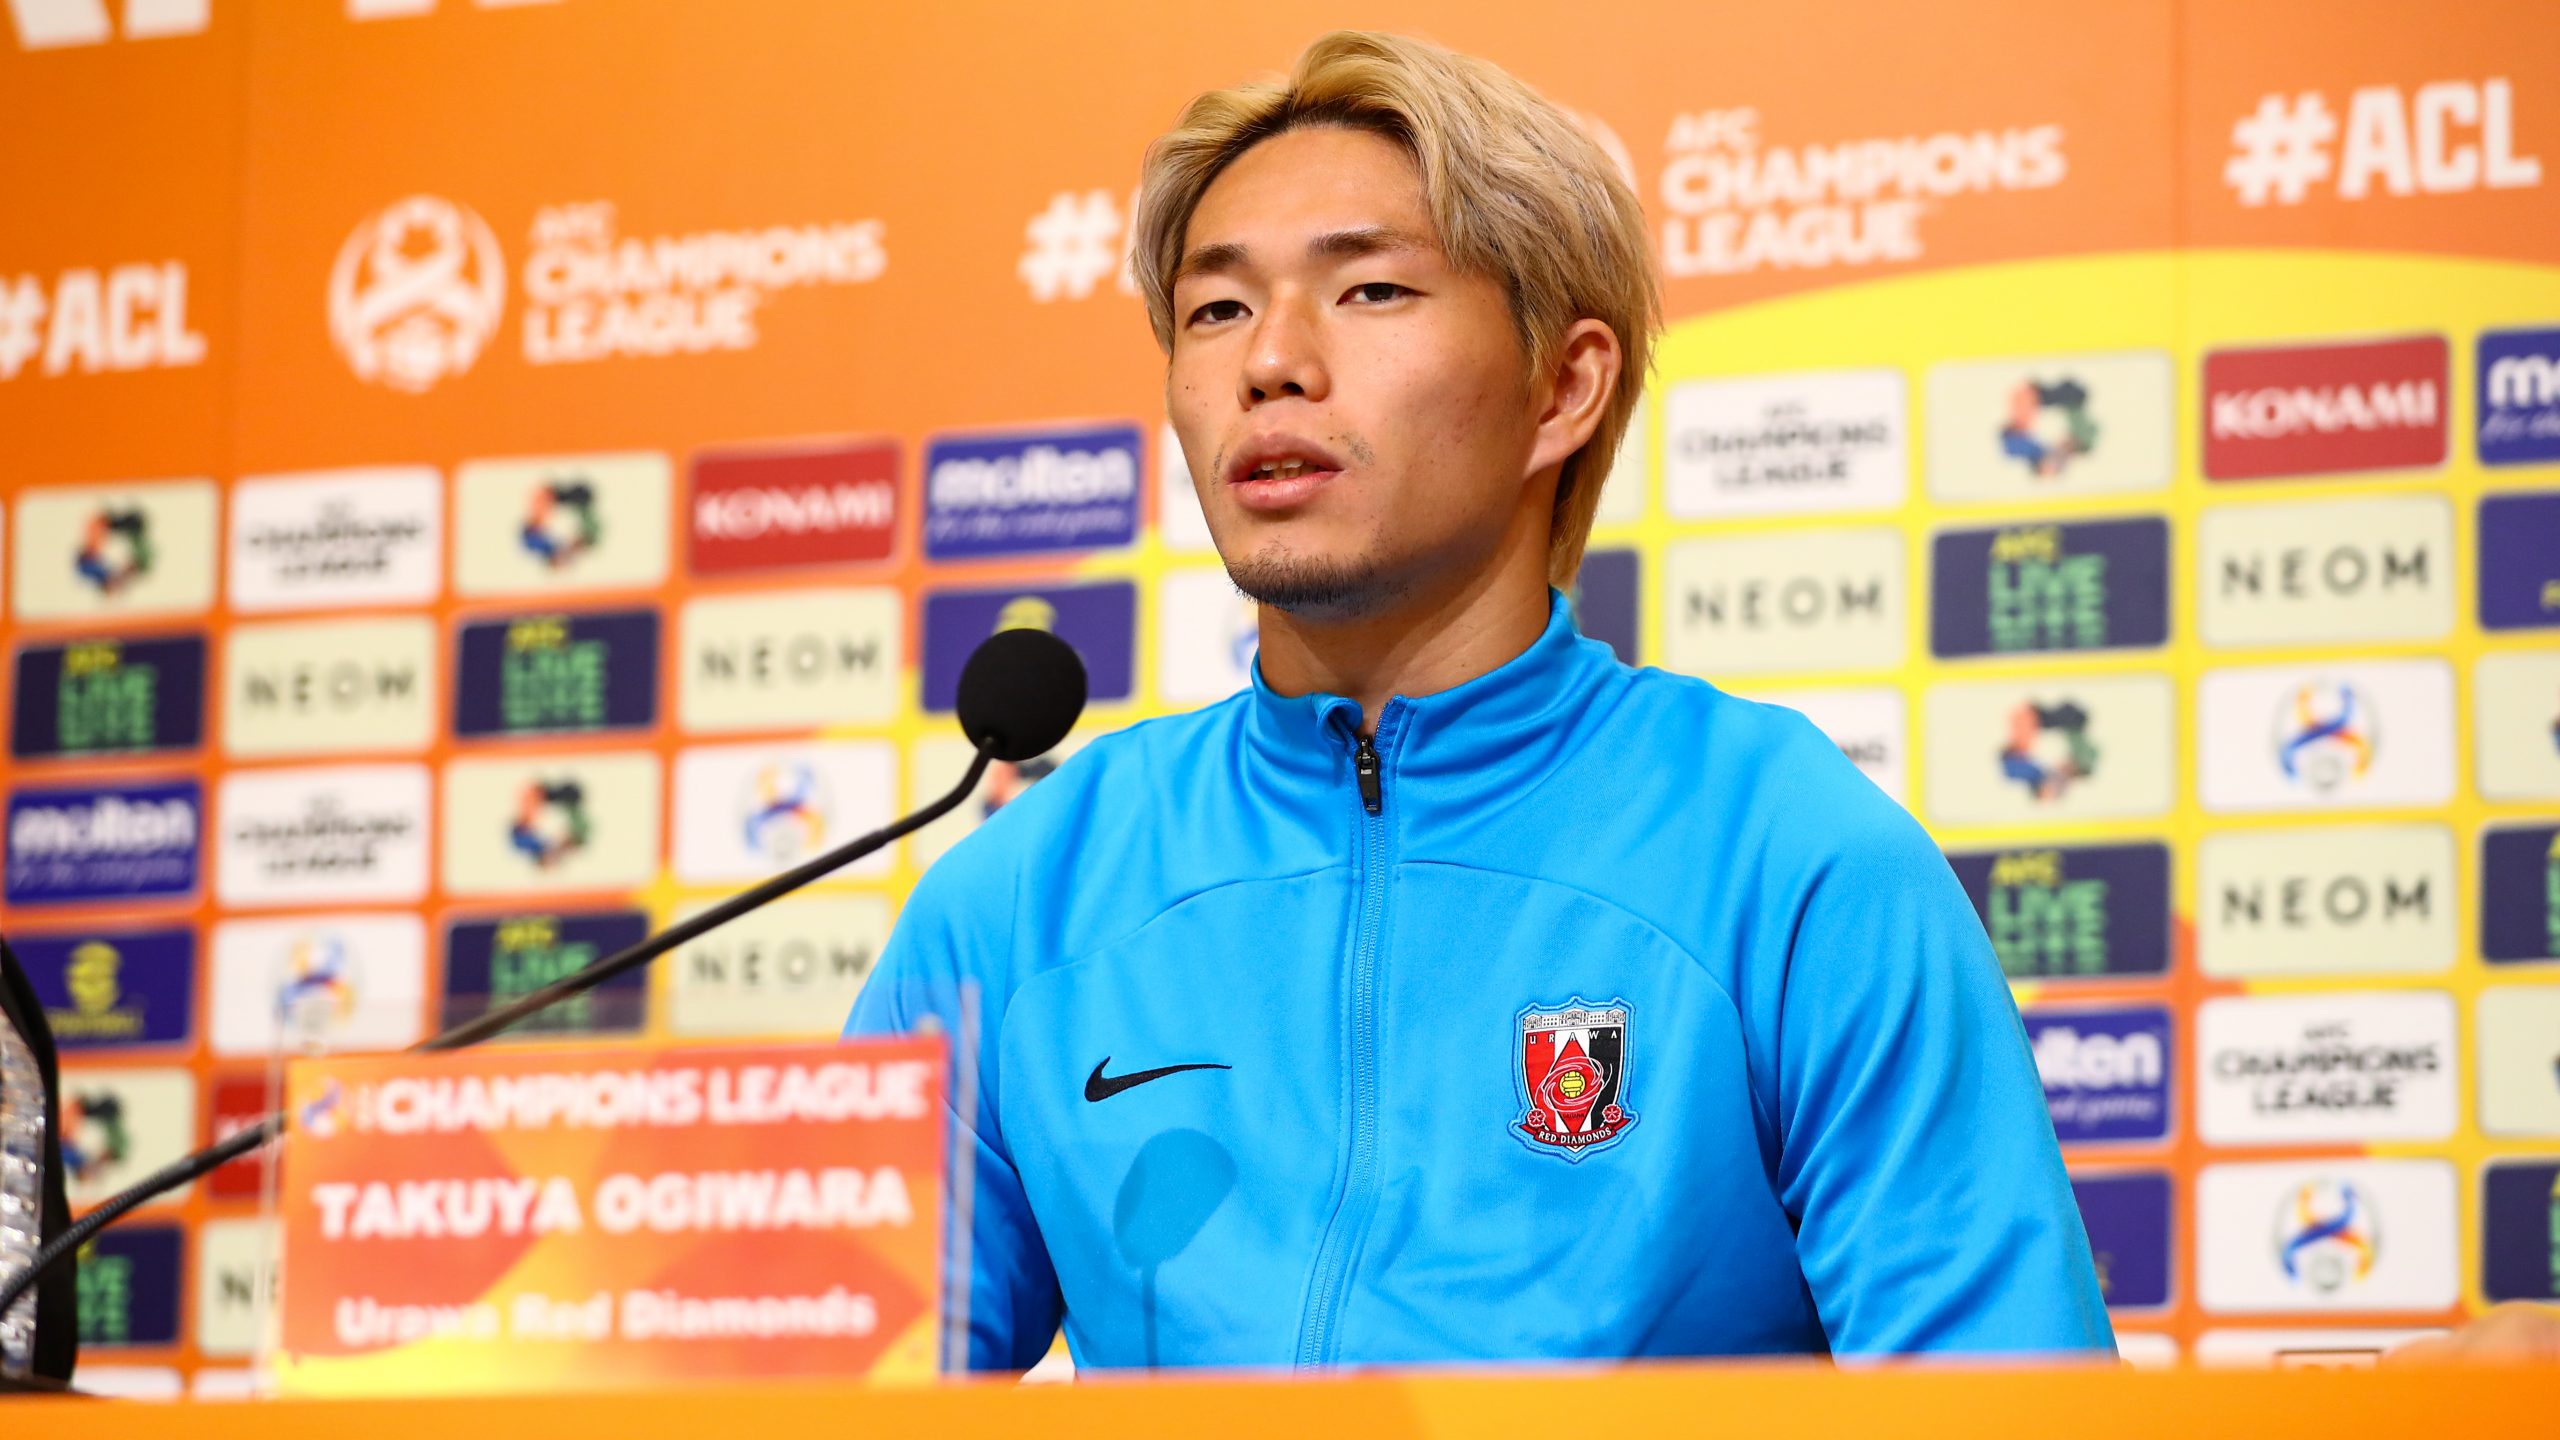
2520	1230
2314	409
103	697
2072	912
498	960
129	1284
2094	585
2520	894
530	674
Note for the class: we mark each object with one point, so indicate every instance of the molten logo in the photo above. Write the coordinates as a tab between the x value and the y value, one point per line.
416	293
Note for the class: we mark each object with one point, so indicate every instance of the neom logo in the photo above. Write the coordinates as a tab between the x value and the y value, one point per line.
2313	409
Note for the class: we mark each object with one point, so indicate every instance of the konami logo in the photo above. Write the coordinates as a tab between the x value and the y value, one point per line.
2314	409
772	510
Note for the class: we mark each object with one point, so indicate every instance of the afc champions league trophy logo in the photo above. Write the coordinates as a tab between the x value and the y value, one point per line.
2325	735
784	813
1570	1066
2326	1235
417	291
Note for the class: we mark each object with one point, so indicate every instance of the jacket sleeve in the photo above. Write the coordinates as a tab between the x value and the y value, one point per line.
955	932
1915	1150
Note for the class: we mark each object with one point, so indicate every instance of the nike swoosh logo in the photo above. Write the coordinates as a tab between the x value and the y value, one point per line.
1098	1086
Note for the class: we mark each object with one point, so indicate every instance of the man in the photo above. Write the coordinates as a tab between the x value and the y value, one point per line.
1457	992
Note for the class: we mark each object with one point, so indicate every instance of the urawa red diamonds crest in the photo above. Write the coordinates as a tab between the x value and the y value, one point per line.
1570	1062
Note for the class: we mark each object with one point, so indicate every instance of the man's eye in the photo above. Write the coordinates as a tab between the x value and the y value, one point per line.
1379	292
1217	310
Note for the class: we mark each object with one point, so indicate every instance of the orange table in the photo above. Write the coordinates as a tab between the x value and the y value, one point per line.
1617	1403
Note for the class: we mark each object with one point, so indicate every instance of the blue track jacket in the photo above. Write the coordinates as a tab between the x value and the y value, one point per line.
1587	1012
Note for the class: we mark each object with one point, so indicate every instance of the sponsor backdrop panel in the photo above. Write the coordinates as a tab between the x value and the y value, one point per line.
468	498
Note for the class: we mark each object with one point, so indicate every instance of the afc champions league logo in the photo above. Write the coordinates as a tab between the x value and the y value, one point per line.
1570	1067
416	293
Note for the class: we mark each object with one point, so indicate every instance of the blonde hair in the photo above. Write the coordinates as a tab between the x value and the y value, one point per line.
1516	191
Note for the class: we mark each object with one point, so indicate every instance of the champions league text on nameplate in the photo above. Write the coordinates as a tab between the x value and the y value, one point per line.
523	1221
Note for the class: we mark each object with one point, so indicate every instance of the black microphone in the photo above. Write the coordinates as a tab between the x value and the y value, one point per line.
1019	695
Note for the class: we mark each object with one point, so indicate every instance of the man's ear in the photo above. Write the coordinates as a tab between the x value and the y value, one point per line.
1578	384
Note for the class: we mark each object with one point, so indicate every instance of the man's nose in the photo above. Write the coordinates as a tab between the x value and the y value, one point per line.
1286	357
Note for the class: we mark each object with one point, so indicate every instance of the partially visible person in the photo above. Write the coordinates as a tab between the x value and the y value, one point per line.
2516	1333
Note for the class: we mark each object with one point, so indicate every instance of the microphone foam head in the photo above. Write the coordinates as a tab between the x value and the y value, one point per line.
1020	693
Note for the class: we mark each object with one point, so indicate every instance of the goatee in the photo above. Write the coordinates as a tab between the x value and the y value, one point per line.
1315	589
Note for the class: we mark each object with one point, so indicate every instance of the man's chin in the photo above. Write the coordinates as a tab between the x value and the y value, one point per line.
1314	587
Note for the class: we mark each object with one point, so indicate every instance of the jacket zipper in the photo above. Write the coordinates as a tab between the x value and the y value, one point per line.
1349	1223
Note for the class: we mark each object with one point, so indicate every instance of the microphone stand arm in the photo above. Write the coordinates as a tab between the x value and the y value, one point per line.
471	1032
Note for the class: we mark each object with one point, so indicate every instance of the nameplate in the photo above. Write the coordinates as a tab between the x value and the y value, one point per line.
516	1220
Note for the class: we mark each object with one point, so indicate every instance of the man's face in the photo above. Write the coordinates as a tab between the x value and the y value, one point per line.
1356	411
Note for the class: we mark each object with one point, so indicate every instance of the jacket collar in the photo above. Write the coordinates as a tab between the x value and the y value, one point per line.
1515	714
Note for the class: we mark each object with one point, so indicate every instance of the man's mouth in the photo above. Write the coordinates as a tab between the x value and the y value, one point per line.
1284	469
1281	484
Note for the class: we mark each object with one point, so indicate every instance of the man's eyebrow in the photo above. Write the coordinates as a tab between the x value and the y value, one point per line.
1333	244
1210	260
1366	240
